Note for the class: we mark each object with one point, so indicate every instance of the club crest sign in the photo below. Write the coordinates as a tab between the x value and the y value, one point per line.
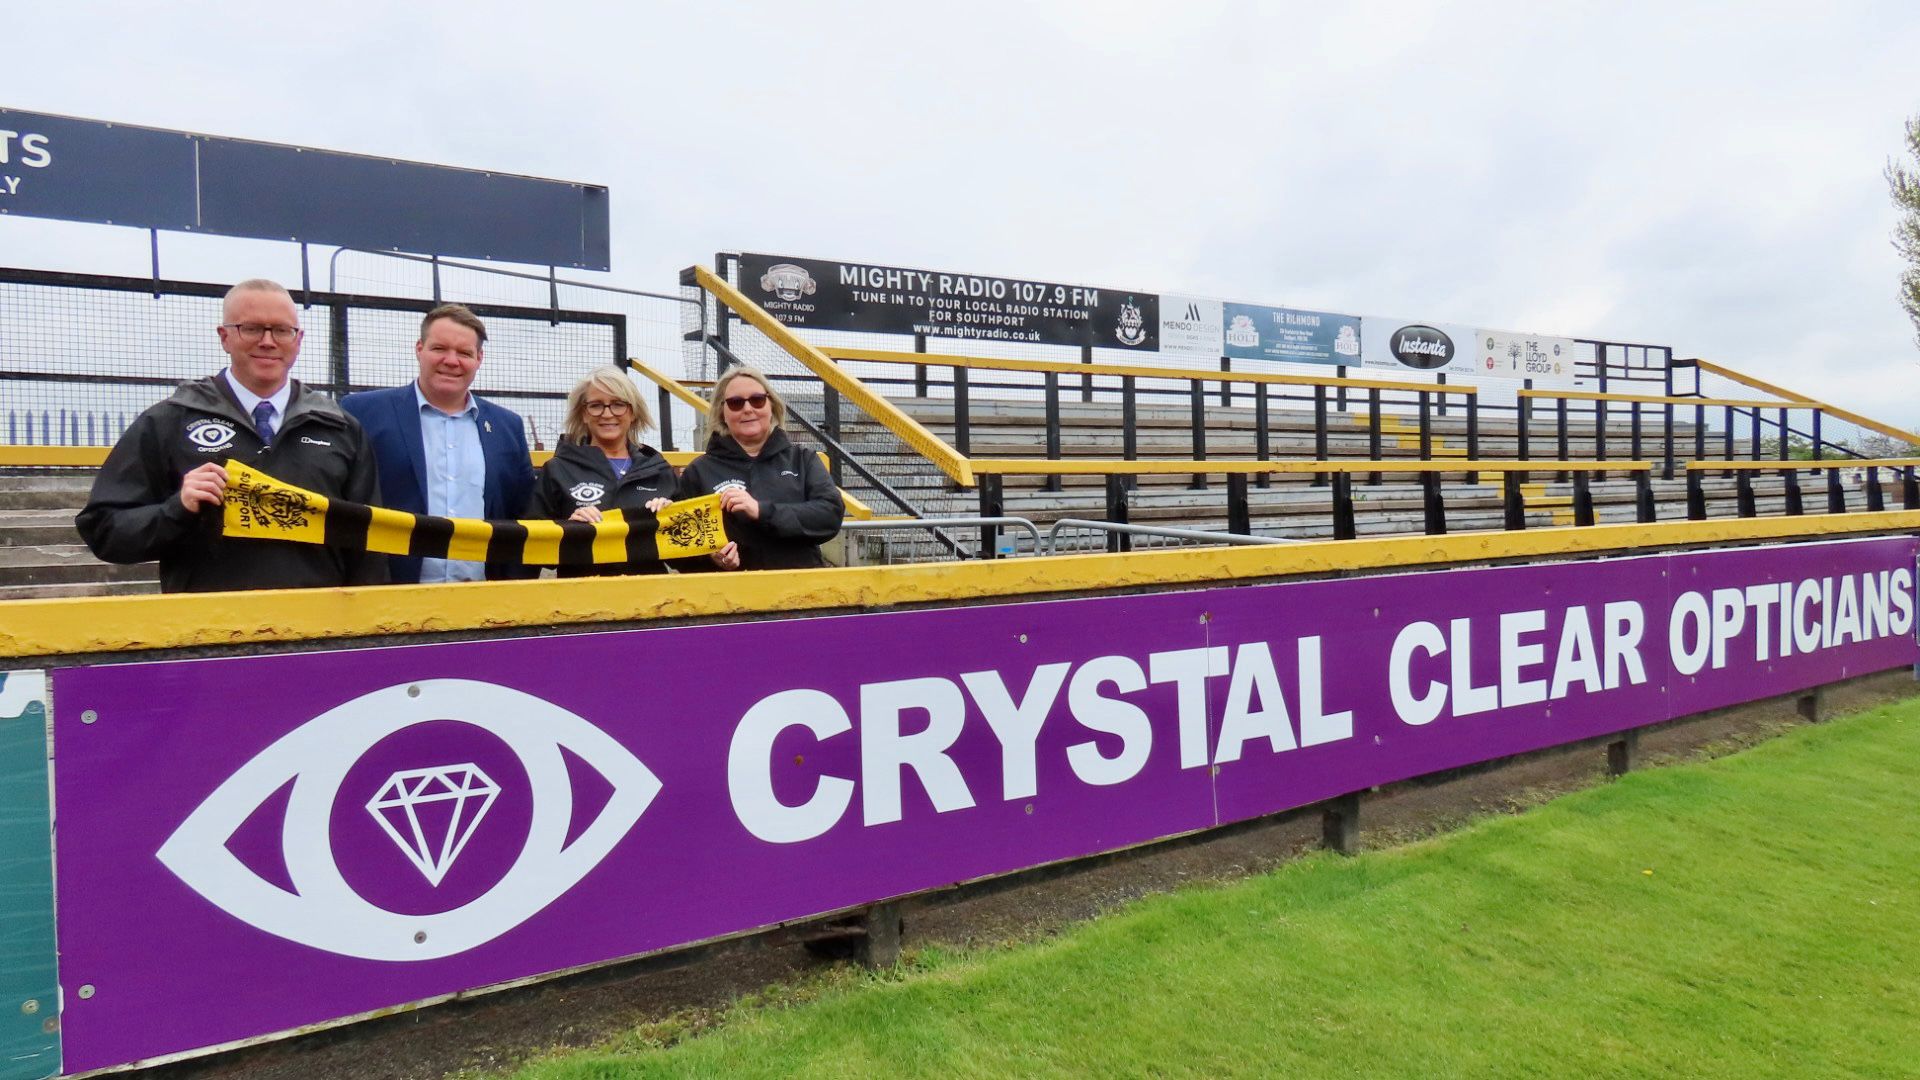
507	816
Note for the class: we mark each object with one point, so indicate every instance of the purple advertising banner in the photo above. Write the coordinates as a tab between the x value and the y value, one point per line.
250	845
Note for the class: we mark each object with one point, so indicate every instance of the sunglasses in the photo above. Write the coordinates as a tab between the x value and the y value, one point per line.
735	404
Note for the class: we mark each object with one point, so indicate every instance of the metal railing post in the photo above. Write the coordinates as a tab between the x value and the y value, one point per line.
1786	453
830	420
1129	425
1819	448
1473	434
1373	431
992	505
1560	429
1582	499
1053	429
1262	437
1643	511
666	418
1426	427
1226	385
919	370
1319	432
1743	495
962	413
1836	494
1086	381
1239	511
1513	502
1198	397
1876	498
1343	525
1696	497
1435	509
1117	540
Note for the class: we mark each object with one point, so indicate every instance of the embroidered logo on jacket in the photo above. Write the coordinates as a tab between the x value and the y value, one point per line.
209	436
587	493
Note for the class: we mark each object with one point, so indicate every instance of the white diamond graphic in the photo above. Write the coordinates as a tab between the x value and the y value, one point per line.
397	808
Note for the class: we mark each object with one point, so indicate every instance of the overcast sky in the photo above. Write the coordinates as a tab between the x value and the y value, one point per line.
1705	176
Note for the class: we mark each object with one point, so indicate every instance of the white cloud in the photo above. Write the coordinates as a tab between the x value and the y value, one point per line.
1702	175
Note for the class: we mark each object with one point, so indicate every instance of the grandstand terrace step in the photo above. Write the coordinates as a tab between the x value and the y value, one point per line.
65	590
45	490
65	563
20	528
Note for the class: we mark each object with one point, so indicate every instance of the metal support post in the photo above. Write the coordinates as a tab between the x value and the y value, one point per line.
1198	399
1117	539
1373	430
1743	494
962	414
1795	502
1876	499
1239	511
1340	824
1319	433
1513	502
1643	511
1053	428
1622	754
1343	526
1582	499
992	505
1696	497
1262	441
1434	506
1836	494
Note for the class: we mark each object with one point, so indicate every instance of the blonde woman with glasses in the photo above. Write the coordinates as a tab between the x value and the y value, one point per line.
600	464
781	504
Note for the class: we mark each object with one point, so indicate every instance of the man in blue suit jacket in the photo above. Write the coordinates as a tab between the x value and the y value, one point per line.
440	449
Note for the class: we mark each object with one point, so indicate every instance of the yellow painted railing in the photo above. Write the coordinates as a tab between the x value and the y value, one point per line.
1047	467
1837	413
1658	399
1800	464
906	428
85	625
1064	367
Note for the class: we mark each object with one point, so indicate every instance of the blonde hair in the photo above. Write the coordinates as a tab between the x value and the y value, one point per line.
717	408
618	386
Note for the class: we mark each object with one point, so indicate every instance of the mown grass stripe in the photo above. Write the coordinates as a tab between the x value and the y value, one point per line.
1775	936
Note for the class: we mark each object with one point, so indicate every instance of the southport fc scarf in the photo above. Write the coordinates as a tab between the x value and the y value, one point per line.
261	507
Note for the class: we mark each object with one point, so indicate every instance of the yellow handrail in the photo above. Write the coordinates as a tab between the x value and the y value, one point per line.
1048	467
1798	464
671	385
1067	367
1837	413
906	428
1657	399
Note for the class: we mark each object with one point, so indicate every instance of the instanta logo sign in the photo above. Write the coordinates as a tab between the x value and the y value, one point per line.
1421	347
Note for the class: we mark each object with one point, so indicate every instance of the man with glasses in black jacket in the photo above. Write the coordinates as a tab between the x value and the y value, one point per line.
159	494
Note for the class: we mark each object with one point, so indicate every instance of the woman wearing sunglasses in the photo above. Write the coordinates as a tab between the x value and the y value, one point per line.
600	464
781	504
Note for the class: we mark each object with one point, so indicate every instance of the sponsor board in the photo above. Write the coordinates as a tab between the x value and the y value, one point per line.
1548	361
1255	332
29	985
826	295
1190	326
1414	346
70	169
292	838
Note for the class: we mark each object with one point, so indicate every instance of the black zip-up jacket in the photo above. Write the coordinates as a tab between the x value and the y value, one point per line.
134	513
800	507
579	475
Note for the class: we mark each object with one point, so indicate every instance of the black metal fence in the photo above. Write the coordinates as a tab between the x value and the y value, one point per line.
82	355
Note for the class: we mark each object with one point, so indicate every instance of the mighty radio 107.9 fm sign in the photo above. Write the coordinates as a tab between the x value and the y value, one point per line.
288	839
823	294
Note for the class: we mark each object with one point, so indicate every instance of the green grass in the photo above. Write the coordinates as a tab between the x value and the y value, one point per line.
1777	934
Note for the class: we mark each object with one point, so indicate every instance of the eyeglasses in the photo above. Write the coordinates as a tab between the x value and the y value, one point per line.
253	331
735	404
609	408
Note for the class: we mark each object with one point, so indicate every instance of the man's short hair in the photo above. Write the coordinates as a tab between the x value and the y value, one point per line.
258	284
460	314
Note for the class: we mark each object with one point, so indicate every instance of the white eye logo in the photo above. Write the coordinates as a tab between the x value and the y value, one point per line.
437	814
210	434
588	492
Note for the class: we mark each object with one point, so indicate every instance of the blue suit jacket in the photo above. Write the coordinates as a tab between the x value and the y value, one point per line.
392	422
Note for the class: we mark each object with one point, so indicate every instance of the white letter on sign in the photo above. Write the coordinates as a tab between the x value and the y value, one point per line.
1115	717
884	751
749	776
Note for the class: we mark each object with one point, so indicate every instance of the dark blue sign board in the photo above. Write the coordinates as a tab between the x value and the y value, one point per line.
87	170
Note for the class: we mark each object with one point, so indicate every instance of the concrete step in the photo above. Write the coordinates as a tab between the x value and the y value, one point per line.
65	563
62	590
37	527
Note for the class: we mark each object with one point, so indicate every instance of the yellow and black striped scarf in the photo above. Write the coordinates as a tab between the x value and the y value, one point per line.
261	507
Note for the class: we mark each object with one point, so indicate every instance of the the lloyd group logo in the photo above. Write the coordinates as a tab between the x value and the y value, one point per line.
1421	347
418	821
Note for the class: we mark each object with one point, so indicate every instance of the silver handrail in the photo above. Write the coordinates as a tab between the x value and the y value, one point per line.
935	524
1053	534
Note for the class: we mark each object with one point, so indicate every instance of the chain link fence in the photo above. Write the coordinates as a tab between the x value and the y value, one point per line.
82	355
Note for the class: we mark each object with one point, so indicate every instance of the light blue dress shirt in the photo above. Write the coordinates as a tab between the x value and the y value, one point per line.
456	478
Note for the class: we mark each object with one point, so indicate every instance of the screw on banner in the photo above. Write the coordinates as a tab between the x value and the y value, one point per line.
89	716
30	1006
86	991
